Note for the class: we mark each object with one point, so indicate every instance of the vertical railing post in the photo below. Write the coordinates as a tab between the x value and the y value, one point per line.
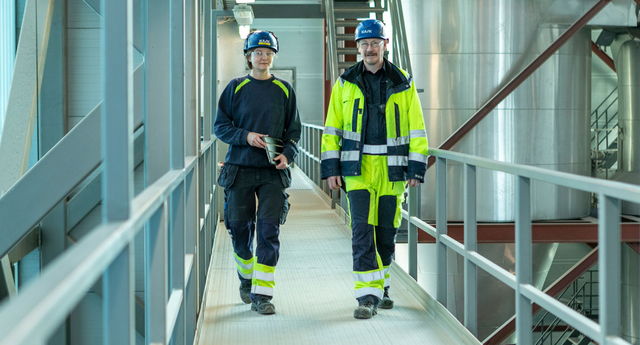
412	238
118	282
155	283
470	245
609	266
441	230
524	313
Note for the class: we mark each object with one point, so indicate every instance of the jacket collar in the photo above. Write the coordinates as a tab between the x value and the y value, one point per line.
353	73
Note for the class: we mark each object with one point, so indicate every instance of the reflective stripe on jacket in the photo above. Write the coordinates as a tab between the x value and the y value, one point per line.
343	137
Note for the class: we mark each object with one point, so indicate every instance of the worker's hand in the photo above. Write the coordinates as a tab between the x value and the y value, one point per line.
413	182
283	162
255	139
335	182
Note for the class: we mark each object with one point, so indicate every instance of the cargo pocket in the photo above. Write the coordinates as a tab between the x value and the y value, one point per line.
285	208
285	176
276	115
228	175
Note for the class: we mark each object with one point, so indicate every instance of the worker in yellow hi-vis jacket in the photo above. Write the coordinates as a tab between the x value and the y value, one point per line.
375	137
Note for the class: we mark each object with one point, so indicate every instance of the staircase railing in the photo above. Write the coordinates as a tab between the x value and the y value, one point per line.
332	56
605	156
399	45
582	300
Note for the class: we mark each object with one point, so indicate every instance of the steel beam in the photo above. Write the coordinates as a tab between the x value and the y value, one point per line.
543	232
519	79
78	153
603	56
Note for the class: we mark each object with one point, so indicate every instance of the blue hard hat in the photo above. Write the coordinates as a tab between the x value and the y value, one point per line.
371	28
261	39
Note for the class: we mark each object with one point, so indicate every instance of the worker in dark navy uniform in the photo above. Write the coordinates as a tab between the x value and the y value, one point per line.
251	110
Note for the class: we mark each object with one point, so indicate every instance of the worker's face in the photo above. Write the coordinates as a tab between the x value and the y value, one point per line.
262	59
372	50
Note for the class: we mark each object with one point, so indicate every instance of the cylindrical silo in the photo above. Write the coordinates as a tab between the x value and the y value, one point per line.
628	69
462	53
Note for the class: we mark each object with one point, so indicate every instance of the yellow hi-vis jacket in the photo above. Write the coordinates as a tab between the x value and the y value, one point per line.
343	137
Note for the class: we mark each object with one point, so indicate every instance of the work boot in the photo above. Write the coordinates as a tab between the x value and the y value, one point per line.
262	304
366	309
386	302
245	291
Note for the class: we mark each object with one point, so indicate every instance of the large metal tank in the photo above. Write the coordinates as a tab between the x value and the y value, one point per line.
462	53
627	58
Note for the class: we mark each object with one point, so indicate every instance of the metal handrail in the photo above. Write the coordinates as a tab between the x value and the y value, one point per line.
64	283
610	193
332	56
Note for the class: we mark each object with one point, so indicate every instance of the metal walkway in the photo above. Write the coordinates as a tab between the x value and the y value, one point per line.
314	290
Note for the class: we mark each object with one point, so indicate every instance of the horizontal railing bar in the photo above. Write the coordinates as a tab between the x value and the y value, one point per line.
188	267
583	324
205	145
619	190
313	126
173	311
493	269
453	244
190	163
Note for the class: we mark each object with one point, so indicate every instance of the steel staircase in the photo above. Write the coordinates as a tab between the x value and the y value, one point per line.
604	135
581	296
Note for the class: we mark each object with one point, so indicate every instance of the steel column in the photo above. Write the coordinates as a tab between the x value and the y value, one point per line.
609	266
118	283
157	99
517	80
523	260
441	228
470	245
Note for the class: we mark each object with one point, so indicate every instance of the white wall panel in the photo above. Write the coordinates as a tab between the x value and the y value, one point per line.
301	47
83	60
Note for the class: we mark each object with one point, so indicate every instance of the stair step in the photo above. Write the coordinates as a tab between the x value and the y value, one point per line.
347	23
348	51
352	9
345	37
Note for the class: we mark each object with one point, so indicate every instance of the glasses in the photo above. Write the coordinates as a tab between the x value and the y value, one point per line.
373	44
261	54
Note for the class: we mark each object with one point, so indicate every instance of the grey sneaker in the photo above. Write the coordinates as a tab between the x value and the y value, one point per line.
365	310
245	292
263	306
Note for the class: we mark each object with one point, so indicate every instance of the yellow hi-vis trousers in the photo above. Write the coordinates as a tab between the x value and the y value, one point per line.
375	210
